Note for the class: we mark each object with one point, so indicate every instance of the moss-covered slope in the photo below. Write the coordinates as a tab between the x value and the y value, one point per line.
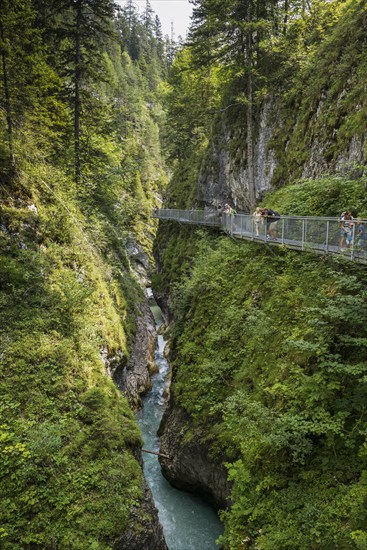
269	361
69	442
80	169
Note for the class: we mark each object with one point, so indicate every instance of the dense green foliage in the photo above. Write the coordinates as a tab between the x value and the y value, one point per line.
80	169
328	196
268	349
268	346
65	430
190	97
269	359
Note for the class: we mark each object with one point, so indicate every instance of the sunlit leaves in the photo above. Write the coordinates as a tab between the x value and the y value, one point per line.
269	353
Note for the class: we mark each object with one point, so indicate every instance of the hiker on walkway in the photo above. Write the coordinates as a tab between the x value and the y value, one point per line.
272	218
258	218
227	209
361	236
346	229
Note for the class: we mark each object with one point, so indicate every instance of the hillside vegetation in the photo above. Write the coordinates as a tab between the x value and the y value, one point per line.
67	434
80	170
268	346
269	359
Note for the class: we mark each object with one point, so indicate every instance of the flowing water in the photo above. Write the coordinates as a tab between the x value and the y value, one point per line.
188	522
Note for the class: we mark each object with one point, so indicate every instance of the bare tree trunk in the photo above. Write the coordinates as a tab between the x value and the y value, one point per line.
250	147
9	122
274	16
77	100
285	19
249	118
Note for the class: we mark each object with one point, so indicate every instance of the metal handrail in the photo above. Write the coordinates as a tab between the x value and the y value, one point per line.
320	234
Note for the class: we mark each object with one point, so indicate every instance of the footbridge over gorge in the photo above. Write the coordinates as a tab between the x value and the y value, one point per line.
305	233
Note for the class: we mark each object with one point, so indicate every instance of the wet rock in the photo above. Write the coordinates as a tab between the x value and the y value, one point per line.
111	362
144	531
139	260
191	468
134	378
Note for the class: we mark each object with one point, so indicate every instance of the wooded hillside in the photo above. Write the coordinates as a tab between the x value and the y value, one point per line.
80	169
269	346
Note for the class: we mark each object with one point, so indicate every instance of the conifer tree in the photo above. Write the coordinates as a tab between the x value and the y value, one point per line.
81	31
231	33
5	82
224	31
28	86
148	19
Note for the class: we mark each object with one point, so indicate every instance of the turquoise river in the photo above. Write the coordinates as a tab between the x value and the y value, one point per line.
188	522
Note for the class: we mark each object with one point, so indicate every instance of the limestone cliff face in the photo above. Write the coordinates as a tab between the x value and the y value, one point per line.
133	376
141	364
191	467
349	160
223	175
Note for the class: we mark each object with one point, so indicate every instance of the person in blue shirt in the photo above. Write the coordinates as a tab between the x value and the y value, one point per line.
346	225
361	237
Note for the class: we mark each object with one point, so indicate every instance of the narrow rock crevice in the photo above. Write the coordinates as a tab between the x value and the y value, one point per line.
133	377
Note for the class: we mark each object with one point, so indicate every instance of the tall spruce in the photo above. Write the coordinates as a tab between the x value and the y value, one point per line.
81	30
26	81
5	82
224	32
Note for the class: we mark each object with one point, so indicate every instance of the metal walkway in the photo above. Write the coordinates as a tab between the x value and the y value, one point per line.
321	235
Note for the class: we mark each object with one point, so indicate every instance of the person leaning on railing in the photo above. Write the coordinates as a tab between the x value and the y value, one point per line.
272	218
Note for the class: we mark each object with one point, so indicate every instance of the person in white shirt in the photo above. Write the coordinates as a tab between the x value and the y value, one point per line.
257	217
346	229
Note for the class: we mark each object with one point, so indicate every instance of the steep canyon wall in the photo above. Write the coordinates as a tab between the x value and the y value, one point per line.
223	176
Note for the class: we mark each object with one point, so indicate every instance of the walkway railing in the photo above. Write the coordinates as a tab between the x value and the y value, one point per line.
322	235
200	217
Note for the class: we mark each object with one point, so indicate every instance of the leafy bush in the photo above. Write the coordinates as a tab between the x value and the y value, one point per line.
328	196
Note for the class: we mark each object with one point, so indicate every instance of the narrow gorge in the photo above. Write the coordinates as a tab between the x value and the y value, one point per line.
165	385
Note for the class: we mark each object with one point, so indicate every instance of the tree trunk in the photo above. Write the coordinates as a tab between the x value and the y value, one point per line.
249	118
9	122
77	100
285	19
